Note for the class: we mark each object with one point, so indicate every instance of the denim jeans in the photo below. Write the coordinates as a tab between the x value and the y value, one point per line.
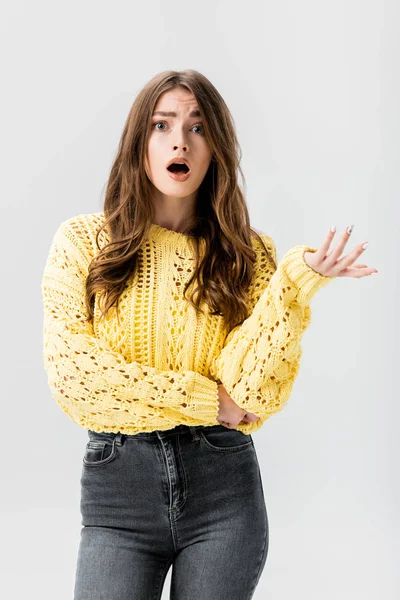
190	497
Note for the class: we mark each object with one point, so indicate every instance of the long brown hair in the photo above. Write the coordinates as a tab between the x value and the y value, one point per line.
225	271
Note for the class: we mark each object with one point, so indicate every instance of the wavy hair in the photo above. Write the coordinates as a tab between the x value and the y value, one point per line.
223	274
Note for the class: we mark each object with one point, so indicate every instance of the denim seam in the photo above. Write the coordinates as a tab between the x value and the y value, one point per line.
266	543
257	575
225	448
185	489
103	461
161	578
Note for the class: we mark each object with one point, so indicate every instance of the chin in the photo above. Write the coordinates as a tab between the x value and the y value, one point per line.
178	190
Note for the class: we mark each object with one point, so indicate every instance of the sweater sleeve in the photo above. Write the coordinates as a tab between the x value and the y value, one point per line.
94	385
260	358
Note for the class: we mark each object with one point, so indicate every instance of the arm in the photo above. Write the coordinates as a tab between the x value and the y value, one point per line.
93	384
260	358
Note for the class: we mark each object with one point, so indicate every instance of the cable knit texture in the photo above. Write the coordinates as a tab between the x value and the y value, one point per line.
159	366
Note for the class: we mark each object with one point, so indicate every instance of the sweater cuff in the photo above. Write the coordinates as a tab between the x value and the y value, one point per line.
205	392
307	281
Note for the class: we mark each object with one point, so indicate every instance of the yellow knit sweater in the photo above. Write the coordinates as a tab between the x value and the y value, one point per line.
159	367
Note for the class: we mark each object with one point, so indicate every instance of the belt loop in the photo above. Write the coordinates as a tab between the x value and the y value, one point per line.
119	438
194	432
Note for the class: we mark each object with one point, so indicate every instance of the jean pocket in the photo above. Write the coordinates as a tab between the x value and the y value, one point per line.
223	439
100	450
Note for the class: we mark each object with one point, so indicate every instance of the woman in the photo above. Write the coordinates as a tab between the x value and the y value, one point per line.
170	382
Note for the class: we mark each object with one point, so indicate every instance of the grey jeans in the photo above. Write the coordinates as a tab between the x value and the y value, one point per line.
190	497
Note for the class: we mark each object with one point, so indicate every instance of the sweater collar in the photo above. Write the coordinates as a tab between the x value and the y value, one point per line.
162	234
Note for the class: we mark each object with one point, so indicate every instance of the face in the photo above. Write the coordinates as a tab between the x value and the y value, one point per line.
177	135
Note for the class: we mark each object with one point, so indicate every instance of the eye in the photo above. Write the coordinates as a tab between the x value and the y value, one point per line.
201	126
154	126
158	123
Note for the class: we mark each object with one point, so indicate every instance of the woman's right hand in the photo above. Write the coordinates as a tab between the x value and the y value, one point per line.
230	414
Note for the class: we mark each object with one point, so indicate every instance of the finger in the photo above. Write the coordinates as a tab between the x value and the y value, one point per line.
356	272
337	251
348	259
250	418
324	247
358	265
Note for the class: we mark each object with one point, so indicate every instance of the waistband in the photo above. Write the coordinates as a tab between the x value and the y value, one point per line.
157	433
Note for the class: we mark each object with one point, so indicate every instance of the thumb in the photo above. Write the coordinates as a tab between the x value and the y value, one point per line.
250	418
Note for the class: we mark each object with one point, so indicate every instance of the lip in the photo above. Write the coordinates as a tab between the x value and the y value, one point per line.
180	160
179	176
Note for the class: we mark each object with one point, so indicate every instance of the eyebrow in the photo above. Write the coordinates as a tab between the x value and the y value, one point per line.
162	113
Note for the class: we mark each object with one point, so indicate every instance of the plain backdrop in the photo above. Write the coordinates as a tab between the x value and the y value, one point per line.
313	87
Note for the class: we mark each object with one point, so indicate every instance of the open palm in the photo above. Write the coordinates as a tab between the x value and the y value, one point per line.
328	262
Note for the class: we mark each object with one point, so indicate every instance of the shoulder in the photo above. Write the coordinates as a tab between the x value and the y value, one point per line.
82	221
268	243
262	234
80	230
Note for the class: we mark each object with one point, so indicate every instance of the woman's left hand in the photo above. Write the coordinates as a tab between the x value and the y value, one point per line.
249	418
330	265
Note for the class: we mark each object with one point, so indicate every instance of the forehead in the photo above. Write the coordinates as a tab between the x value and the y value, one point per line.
177	100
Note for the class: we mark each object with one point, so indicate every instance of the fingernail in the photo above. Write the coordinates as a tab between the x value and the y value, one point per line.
350	229
333	228
365	245
374	272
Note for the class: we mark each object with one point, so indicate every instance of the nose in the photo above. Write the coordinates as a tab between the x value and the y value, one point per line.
181	140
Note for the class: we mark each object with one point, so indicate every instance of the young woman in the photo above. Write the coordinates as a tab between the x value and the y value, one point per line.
171	334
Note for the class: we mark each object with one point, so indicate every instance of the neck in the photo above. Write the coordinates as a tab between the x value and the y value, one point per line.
177	214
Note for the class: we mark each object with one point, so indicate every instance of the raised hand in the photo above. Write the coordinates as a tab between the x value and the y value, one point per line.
329	264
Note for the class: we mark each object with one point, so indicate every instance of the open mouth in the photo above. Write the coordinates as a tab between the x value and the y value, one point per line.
178	168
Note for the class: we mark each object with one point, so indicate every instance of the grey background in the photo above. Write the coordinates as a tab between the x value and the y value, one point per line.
314	91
